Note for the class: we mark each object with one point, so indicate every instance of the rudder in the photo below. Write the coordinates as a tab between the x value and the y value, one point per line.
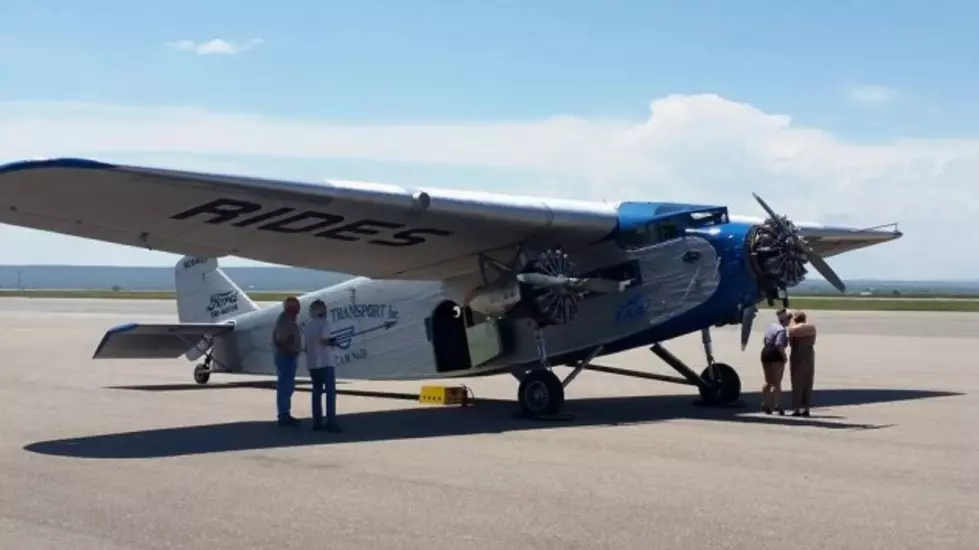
205	294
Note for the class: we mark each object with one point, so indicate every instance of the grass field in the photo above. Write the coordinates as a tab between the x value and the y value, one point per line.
854	303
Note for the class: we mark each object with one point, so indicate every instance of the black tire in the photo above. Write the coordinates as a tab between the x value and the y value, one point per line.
540	394
725	382
202	374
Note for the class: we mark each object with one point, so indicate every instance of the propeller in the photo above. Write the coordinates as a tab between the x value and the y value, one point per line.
557	290
807	253
783	253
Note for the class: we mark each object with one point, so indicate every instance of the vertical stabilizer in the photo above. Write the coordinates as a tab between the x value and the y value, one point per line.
205	294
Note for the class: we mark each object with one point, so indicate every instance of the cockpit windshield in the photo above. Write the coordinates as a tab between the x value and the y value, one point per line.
671	226
707	218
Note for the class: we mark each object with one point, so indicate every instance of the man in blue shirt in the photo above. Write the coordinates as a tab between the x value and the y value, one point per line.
321	372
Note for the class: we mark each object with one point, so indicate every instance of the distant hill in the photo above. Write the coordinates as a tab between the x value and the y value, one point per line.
878	287
294	279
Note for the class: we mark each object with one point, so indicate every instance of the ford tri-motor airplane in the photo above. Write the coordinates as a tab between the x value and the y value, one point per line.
447	283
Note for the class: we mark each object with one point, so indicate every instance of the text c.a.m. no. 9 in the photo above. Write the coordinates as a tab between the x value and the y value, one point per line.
240	213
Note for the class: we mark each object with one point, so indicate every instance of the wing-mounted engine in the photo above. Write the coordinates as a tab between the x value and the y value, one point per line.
546	289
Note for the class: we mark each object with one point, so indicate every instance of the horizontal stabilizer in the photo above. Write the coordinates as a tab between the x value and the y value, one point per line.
156	341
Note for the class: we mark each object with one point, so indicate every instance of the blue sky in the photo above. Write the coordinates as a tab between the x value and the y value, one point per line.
872	100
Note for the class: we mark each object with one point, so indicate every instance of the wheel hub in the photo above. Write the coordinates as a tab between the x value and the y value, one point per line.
537	395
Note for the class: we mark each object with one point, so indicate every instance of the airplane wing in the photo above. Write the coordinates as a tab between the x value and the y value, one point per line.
155	341
374	230
831	240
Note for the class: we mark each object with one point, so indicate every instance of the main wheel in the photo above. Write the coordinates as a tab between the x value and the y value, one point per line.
725	384
202	374
540	394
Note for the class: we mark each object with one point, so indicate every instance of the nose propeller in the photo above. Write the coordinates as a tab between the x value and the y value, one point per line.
808	253
792	253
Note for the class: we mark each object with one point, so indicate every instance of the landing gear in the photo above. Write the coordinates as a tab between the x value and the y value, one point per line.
718	384
202	372
723	385
540	394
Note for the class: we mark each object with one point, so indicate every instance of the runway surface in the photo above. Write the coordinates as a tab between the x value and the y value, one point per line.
133	454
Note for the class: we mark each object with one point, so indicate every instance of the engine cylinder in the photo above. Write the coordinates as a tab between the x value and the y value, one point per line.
774	255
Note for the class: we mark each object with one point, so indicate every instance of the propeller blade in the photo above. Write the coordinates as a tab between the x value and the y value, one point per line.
824	269
747	319
771	213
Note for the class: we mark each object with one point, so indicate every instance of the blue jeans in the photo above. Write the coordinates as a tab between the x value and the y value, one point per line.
324	381
285	384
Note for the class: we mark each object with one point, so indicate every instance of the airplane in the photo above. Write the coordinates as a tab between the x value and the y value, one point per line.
446	283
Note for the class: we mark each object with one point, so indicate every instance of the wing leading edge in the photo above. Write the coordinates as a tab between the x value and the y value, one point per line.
367	229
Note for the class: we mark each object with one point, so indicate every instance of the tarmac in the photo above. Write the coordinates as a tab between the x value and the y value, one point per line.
133	454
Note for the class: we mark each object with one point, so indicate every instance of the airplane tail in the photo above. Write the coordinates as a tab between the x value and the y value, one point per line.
205	294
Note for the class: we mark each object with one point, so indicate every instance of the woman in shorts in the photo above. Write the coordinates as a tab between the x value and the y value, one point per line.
773	359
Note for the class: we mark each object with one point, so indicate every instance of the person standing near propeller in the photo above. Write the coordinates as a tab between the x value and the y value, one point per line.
802	366
773	359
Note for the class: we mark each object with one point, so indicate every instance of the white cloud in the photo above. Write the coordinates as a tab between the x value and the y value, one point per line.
701	148
872	93
215	46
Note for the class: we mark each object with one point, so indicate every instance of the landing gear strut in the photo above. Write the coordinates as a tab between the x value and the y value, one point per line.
723	385
541	392
718	384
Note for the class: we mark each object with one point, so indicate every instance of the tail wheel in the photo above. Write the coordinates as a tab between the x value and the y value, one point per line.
202	374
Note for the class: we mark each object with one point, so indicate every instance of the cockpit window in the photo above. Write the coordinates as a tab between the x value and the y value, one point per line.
704	219
669	228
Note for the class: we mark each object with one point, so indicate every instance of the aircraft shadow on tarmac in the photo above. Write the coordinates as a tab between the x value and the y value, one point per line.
486	416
